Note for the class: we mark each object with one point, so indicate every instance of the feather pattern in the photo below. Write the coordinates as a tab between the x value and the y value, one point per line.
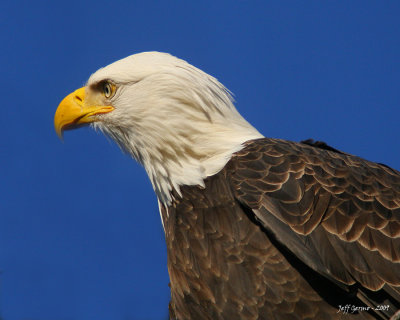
280	214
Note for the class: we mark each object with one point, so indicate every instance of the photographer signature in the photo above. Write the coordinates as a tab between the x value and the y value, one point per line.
351	308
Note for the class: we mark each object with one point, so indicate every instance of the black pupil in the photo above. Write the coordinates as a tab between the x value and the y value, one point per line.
107	90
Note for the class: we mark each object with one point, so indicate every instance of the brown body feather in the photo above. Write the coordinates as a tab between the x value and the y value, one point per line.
286	231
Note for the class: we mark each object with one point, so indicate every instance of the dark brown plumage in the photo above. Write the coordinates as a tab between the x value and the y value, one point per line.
286	231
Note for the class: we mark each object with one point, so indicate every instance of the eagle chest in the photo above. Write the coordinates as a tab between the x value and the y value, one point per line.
221	265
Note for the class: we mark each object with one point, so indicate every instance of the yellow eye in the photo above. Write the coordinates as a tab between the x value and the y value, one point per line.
108	89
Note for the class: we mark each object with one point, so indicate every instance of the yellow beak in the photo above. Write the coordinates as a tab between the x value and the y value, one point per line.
73	112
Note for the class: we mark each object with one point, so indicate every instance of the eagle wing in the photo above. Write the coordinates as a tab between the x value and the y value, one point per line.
337	213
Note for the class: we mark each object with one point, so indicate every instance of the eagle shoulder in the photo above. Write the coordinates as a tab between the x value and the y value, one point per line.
338	213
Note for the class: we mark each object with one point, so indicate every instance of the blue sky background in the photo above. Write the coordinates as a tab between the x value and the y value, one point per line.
80	233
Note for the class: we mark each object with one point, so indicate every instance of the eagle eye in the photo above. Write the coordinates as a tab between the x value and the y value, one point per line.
108	89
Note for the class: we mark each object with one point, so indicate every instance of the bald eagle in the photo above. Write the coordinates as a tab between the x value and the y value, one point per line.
256	228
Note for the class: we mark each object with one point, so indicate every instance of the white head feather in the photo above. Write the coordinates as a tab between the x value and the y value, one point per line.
173	118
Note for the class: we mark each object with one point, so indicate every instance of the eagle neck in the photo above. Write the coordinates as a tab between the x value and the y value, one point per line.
179	161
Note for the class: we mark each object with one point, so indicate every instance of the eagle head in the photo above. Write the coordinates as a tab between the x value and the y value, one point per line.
176	120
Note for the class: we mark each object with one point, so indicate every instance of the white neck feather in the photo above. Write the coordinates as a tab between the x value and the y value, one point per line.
178	159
